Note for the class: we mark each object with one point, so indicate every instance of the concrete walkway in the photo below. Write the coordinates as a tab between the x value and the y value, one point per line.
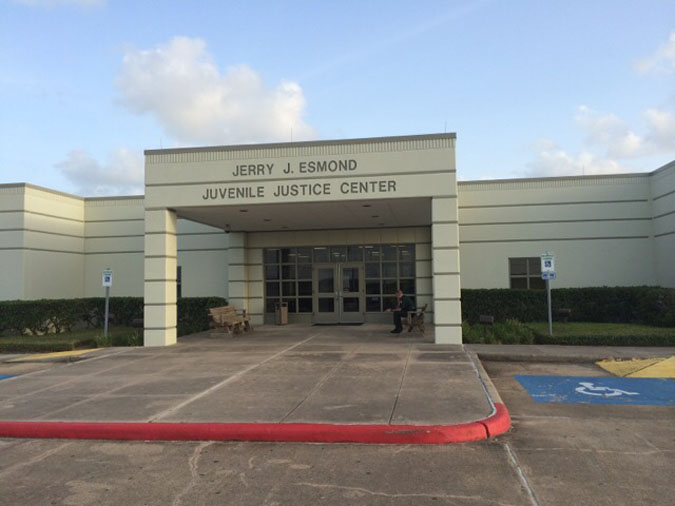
281	375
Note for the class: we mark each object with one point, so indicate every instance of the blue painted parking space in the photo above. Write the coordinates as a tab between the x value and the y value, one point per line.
599	390
5	376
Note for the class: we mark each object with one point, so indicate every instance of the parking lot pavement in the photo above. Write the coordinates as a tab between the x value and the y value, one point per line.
600	454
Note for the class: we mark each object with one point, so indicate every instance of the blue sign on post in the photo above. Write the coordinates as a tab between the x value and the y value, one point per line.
599	390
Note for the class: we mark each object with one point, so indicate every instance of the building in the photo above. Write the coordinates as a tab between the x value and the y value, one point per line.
333	228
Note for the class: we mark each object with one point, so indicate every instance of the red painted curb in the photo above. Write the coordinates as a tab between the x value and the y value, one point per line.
498	423
292	432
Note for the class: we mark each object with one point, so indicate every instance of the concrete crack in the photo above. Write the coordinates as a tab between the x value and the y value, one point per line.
193	464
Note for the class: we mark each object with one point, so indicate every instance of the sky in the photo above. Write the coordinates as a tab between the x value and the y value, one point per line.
531	88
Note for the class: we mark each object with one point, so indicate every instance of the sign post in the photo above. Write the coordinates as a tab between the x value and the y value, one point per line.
106	281
548	273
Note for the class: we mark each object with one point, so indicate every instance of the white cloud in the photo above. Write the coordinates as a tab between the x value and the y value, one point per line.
59	3
662	61
552	161
611	133
179	84
122	174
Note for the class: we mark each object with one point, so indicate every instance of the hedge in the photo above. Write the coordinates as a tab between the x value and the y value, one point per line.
640	304
61	315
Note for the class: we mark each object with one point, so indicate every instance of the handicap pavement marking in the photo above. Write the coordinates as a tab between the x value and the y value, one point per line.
599	390
5	376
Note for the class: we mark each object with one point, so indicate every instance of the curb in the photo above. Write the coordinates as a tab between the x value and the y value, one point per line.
491	426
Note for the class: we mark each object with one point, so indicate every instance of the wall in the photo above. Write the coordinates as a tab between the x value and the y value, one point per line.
202	255
599	228
12	217
662	184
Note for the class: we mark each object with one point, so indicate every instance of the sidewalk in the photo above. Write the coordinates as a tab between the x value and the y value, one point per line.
569	354
355	383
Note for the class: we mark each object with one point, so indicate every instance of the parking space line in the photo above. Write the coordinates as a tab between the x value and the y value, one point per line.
230	379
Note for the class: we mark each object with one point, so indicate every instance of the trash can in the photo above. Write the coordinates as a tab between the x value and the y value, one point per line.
281	313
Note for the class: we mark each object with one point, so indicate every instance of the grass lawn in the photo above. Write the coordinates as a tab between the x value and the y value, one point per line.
603	334
77	339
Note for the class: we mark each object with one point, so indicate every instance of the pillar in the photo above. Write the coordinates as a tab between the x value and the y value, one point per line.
445	270
160	314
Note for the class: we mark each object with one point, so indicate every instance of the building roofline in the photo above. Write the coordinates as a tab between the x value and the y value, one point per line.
276	145
663	168
69	195
556	178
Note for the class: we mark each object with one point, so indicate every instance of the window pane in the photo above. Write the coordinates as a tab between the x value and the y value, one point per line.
325	280
321	255
305	271
272	289
519	283
270	305
304	305
407	286
389	286
389	302
372	270
389	270
389	252
271	272
537	283
304	288
406	252
535	266
288	287
355	253
373	304
338	254
288	272
517	266
271	256
291	305
326	305
288	255
373	287
350	305
304	255
372	253
406	270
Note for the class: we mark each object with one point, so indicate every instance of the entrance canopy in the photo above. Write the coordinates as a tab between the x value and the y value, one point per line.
410	212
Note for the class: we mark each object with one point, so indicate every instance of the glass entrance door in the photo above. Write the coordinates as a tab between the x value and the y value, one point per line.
338	293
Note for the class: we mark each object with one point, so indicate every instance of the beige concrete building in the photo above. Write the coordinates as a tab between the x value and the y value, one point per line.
333	228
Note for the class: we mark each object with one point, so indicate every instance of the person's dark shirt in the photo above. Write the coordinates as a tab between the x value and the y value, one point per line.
406	304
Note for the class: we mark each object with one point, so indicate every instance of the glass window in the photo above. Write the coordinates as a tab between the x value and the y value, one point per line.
272	289
288	288
304	255
372	270
389	270
338	253
270	305
407	286
288	255
373	304
525	273
288	272
373	287
389	302
271	256
321	255
519	283
536	283
406	252
304	305
389	252
304	288
406	270
355	253
271	272
372	253
518	266
292	308
305	271
389	286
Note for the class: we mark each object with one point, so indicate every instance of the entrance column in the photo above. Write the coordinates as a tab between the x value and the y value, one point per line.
160	278
445	270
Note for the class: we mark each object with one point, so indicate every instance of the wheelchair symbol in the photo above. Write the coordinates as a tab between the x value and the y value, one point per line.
588	388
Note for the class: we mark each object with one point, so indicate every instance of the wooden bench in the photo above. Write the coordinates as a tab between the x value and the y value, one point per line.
416	319
225	319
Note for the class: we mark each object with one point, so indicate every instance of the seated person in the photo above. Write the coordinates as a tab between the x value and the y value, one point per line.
403	306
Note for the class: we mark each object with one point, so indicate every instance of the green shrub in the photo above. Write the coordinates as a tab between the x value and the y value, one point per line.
193	313
636	304
509	332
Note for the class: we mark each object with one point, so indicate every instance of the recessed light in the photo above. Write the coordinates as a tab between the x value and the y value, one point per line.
284	226
367	205
267	219
243	210
375	216
380	224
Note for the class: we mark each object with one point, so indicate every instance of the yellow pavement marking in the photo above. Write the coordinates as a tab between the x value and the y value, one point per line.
641	368
40	356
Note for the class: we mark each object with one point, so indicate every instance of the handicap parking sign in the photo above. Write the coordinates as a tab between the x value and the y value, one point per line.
599	390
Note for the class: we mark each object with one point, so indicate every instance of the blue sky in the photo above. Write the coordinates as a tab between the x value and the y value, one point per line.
531	88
